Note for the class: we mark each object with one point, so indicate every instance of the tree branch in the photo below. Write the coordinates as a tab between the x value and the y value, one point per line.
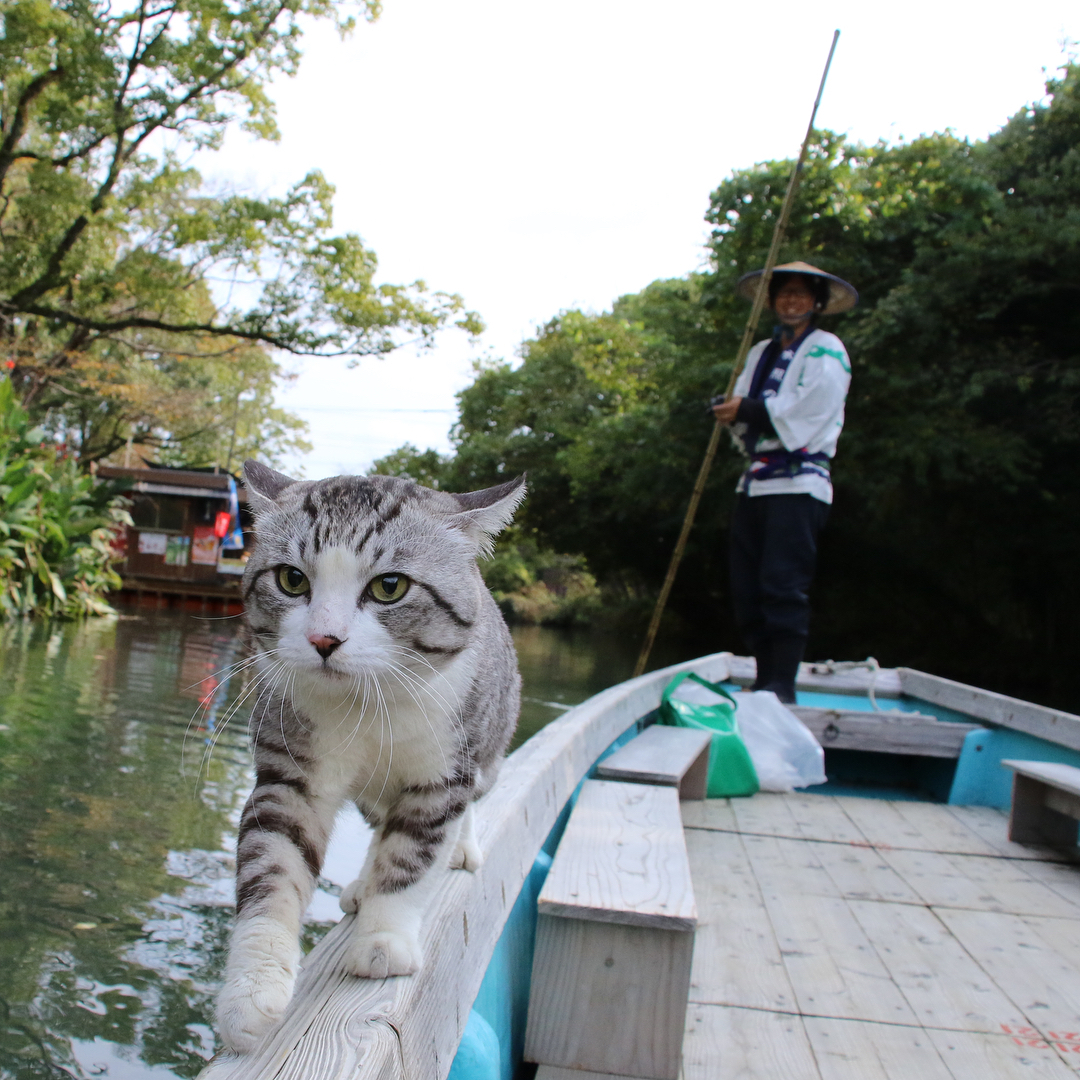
139	322
22	113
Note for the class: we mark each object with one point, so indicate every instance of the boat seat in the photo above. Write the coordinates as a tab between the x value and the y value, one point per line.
885	732
671	756
614	937
1045	803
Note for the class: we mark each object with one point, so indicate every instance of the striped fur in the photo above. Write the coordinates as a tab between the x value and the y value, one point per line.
404	707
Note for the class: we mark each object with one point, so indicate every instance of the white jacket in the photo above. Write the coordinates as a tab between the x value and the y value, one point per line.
807	412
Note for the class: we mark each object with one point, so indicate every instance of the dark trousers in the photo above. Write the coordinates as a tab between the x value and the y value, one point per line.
773	554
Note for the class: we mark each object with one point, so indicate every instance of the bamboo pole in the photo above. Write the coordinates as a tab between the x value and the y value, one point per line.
740	361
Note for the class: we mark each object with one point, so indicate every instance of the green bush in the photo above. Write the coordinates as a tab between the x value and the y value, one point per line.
56	527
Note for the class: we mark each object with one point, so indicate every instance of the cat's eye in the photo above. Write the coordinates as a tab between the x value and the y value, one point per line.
292	581
388	588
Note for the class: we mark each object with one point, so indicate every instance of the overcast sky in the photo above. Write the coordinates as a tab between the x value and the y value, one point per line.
544	156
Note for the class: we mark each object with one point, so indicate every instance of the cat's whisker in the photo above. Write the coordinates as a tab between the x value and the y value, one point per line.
208	752
398	674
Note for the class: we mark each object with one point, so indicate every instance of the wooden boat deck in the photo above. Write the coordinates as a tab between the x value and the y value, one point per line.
843	938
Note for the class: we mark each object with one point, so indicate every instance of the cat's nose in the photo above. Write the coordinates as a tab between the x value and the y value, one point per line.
324	644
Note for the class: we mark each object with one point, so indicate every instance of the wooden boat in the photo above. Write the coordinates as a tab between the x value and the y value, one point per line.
837	936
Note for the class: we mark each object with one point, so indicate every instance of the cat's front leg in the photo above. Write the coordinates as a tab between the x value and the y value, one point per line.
409	852
280	849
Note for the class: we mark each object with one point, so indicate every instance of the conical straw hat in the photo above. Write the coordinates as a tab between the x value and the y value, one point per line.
842	295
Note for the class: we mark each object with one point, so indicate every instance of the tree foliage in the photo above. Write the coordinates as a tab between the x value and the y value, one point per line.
114	255
56	528
951	540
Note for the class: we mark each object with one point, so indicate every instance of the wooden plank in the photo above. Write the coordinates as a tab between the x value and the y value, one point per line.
709	814
622	859
340	1027
608	997
973	1056
884	733
663	755
1036	961
1040	814
856	1050
992	826
736	956
550	1072
1051	724
978	883
915	826
1062	878
745	1044
833	967
806	817
860	873
943	985
1065	777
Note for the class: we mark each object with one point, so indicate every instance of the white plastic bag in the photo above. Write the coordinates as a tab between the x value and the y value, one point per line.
785	755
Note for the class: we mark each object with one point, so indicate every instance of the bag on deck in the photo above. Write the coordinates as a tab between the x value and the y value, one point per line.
731	772
784	752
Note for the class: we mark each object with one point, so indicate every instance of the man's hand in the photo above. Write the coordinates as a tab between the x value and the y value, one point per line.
725	412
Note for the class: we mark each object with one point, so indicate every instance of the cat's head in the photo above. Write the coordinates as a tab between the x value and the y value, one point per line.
358	575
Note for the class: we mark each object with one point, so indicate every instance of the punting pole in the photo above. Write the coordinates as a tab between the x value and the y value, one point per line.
736	371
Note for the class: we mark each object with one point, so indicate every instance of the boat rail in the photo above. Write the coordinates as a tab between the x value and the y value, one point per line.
409	1027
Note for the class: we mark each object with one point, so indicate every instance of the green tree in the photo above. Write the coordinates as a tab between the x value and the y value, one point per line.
109	245
950	542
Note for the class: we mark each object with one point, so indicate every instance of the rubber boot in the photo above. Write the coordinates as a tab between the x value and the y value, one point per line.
763	655
786	653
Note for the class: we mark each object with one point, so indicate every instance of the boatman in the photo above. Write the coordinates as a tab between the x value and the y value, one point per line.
786	412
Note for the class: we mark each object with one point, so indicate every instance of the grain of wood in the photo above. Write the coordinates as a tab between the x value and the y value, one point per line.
736	956
856	1050
710	814
1051	724
833	967
979	883
1035	961
1065	777
884	733
608	997
659	755
912	826
973	1056
785	867
340	1027
1063	878
860	873
623	859
745	1044
992	826
805	817
944	986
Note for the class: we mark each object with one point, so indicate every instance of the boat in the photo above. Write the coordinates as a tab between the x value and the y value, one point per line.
838	935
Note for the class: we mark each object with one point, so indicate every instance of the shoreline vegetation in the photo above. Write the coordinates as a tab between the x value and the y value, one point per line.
951	542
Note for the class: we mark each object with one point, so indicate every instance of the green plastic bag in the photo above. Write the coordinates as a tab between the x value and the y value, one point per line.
731	772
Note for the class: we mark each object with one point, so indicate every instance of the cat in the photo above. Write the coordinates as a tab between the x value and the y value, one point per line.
386	676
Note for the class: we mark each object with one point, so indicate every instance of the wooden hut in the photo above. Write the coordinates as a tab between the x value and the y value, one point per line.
176	552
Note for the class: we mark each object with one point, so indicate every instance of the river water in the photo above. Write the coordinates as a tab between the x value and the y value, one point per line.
119	798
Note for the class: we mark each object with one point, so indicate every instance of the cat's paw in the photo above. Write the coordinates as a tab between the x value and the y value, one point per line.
379	954
466	856
349	901
248	1007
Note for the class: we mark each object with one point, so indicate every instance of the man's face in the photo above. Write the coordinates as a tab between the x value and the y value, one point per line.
794	303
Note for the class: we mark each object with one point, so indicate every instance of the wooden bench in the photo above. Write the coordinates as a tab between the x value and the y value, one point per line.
884	732
614	938
670	756
1045	803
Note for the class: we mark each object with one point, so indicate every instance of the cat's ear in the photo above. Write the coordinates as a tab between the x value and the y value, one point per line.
263	484
484	514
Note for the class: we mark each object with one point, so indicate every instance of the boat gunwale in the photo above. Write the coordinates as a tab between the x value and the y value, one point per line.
339	1026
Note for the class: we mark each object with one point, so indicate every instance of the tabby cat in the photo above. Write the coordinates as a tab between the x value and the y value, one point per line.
386	677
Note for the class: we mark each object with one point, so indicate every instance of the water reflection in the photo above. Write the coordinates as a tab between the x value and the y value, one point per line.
117	827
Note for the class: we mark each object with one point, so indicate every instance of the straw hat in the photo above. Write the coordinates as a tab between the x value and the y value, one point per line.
842	296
